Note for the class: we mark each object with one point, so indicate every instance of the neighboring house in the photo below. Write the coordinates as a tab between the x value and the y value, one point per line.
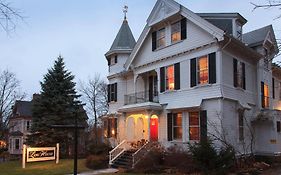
191	76
19	126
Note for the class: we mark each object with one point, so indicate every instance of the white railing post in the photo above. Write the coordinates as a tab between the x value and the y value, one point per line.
57	153
23	155
117	151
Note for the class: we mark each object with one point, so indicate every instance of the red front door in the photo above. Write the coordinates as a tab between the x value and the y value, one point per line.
154	129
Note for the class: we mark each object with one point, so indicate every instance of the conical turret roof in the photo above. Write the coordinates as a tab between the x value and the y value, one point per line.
124	40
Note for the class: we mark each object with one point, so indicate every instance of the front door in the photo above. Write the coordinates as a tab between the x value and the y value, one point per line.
154	128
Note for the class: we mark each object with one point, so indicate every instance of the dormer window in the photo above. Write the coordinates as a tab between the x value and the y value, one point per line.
160	38
113	60
176	32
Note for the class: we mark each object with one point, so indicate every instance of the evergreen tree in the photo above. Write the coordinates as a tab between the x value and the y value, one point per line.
57	104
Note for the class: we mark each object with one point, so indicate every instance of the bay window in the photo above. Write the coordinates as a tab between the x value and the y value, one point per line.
264	95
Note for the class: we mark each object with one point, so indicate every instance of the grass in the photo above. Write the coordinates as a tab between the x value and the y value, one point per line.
64	167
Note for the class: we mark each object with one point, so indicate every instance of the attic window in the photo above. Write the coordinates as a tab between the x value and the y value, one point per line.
160	38
176	32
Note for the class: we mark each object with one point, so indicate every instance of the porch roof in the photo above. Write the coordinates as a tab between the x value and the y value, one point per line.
141	106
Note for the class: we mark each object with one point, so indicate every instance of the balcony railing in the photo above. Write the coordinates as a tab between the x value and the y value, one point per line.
141	97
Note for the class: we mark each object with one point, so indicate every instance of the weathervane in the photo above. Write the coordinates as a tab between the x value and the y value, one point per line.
125	11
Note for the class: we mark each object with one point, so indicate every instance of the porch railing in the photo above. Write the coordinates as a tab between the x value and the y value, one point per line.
117	151
141	97
141	152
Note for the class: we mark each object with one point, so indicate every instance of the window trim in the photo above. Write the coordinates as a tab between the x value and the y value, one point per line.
158	38
179	31
194	126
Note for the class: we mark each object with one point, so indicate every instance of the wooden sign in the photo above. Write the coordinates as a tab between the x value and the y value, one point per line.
39	154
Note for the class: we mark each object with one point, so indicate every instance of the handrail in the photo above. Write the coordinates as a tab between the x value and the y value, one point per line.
117	151
142	151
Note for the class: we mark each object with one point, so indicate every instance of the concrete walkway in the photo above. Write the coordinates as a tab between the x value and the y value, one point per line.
102	171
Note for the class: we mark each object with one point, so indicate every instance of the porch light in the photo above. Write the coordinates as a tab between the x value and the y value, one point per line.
113	132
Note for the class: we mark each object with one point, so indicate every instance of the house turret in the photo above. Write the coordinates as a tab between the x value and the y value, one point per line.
121	48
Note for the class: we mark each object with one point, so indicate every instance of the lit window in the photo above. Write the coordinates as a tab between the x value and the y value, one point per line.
176	32
241	125
160	38
203	71
194	126
170	78
279	91
177	126
266	95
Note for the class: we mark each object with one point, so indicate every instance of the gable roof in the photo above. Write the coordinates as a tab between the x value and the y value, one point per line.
172	8
23	108
124	40
257	37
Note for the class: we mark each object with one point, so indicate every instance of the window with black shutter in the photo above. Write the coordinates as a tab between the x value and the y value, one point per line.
162	79
177	76
170	77
239	74
112	92
203	70
108	93
170	126
154	34
278	125
183	28
264	95
203	125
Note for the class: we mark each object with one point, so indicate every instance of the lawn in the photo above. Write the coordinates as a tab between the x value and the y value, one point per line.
42	168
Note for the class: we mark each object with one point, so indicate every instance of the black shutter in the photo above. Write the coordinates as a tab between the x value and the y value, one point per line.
115	59
170	126
212	68
183	29
244	75
262	95
115	92
154	34
177	76
112	95
203	125
234	72
108	128
273	88
108	93
162	79
193	72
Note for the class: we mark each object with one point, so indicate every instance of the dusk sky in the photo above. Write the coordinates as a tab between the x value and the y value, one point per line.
83	31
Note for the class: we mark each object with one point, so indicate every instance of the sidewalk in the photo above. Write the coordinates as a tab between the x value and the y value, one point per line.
103	171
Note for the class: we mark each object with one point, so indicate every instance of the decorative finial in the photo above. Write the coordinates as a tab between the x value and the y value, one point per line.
125	11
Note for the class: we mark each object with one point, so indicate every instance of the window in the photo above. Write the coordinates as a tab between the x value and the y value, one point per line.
241	125
273	88
110	127
177	126
264	95
17	143
160	38
278	126
239	31
203	70
176	32
239	74
27	125
170	79
10	144
112	92
194	126
279	91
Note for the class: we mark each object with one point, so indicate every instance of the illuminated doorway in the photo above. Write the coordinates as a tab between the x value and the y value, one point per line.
154	128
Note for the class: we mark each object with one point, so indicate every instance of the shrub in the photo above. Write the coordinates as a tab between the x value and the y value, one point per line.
98	149
151	163
208	160
97	162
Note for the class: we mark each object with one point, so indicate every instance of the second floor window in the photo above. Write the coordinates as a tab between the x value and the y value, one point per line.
264	95
203	70
170	78
112	92
160	38
239	74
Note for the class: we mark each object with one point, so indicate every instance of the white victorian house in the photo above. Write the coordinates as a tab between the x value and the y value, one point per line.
191	76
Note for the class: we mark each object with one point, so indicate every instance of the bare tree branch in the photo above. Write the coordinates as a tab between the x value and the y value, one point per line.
9	93
9	16
267	5
94	93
